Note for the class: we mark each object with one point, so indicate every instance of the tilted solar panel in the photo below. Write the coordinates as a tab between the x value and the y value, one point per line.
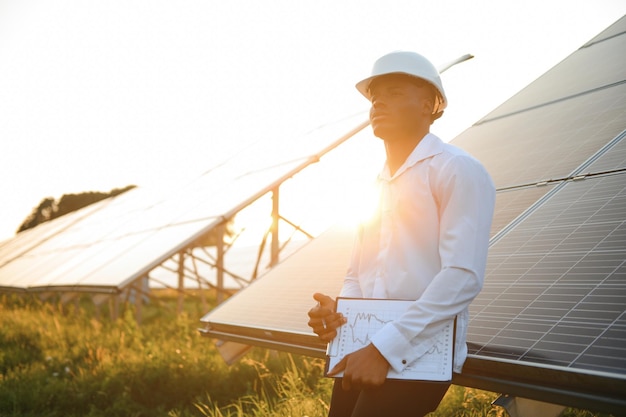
550	142
244	317
555	295
565	264
25	241
593	67
108	245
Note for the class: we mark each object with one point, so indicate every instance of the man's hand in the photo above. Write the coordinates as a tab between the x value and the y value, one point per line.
365	368
323	319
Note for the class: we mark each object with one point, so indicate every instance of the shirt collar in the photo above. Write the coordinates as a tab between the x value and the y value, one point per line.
429	146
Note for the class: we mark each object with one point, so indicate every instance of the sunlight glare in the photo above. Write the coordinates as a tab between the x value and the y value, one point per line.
359	207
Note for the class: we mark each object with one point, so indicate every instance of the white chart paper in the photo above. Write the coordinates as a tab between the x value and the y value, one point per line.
366	316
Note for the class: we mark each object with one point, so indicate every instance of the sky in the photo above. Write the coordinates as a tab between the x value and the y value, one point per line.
96	95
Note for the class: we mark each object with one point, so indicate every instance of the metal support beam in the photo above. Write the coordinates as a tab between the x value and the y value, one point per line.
275	249
181	281
137	288
219	263
199	281
114	307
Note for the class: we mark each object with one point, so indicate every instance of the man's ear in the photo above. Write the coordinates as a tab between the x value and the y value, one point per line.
436	116
428	104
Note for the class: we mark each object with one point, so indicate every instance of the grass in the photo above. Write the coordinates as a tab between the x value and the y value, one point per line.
69	361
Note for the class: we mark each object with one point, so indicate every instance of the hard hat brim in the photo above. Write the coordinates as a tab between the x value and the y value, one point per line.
363	87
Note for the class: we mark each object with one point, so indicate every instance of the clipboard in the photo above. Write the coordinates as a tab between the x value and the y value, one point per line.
365	316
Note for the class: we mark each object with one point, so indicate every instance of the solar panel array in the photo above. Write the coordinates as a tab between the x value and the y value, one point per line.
550	323
555	286
110	244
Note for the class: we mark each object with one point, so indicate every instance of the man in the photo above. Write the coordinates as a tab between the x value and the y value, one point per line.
428	243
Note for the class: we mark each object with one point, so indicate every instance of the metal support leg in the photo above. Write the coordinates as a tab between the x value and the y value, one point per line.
275	220
181	281
219	264
523	407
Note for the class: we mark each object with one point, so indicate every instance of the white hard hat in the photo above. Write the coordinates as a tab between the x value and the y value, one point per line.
410	63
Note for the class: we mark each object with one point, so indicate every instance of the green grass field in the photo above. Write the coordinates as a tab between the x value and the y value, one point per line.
70	361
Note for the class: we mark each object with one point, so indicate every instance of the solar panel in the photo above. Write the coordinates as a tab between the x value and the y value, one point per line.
572	77
108	245
31	238
550	142
291	287
561	274
544	124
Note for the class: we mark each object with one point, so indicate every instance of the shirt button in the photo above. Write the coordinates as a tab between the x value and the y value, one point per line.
403	361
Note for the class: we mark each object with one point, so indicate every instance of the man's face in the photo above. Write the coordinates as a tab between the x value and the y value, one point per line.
400	106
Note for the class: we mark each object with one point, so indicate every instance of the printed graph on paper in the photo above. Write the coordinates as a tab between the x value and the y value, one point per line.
365	317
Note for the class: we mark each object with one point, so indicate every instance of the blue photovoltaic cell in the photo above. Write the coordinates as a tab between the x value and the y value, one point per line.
512	203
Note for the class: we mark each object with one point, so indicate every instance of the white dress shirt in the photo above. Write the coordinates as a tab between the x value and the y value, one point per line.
428	243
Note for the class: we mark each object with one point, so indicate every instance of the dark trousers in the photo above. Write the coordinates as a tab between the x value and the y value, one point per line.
393	398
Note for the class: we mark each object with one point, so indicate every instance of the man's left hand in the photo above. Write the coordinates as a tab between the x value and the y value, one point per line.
365	368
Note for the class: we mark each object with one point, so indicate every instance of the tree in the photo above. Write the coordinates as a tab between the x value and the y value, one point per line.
50	209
